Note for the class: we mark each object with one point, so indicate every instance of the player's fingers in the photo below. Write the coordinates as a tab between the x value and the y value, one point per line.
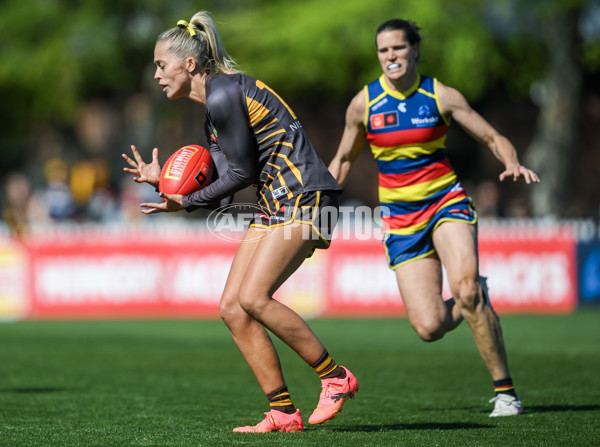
532	176
522	172
133	172
155	155
153	207
129	161
529	176
136	154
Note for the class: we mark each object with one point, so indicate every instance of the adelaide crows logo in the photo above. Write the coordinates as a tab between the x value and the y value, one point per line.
387	119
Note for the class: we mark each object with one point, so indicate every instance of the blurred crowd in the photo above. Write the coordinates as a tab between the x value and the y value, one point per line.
82	192
76	193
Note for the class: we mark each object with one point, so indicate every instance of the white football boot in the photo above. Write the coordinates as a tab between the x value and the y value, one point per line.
506	405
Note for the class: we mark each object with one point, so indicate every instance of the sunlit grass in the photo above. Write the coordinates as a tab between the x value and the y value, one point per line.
179	383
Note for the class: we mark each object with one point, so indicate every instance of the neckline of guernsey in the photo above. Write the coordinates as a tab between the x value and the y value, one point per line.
396	93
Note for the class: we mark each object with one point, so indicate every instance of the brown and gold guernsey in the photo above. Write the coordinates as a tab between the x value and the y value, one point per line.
256	139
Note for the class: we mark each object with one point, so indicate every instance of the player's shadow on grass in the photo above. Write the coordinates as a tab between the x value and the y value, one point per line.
37	390
559	408
416	426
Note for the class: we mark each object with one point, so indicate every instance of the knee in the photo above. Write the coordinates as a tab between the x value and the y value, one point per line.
252	302
466	294
230	310
429	330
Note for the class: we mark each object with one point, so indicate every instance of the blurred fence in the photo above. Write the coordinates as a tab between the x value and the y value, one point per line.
177	269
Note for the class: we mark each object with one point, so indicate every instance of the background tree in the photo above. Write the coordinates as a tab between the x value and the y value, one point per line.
76	76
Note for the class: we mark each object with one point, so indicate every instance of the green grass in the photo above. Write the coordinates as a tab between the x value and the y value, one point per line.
183	383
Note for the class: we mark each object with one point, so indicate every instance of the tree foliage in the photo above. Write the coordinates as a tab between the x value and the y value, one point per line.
58	55
330	46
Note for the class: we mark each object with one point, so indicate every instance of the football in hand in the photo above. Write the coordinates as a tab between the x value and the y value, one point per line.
189	169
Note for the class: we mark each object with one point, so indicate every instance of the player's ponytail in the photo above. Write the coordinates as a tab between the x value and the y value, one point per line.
200	38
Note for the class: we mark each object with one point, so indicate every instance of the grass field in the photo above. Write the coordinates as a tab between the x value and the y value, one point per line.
183	383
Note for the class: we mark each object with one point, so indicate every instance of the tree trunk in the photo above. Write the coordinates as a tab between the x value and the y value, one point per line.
551	153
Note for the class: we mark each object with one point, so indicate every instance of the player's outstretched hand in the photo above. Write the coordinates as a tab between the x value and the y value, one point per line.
174	202
142	172
518	171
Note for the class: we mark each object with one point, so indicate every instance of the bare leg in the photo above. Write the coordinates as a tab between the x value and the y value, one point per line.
456	245
278	255
249	335
264	260
420	284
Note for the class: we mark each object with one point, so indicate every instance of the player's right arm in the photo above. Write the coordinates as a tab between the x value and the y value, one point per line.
353	139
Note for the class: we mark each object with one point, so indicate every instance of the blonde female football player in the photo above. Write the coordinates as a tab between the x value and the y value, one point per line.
404	116
255	139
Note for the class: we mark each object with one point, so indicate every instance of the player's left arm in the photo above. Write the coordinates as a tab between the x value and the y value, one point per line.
455	106
225	109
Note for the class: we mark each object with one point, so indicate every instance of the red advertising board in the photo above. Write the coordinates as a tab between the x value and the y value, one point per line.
128	276
528	276
182	274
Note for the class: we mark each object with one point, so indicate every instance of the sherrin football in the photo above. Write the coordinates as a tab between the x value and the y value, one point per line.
189	169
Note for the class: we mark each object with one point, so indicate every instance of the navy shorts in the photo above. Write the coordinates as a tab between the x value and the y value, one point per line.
319	209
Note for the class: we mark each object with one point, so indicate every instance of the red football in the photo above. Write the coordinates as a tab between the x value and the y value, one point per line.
189	169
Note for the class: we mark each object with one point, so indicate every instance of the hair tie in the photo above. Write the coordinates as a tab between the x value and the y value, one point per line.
186	25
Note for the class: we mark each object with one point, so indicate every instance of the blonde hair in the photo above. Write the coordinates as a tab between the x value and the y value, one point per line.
204	44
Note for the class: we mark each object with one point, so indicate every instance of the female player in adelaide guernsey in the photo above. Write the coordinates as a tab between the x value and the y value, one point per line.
255	139
430	220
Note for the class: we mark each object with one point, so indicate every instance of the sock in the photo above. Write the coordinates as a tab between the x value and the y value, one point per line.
280	400
326	367
504	386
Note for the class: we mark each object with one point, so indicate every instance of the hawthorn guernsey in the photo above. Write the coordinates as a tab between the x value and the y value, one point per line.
189	169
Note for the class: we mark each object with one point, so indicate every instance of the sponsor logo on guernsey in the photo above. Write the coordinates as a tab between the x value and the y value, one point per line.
424	111
424	118
279	192
387	119
457	187
402	107
422	122
379	104
295	125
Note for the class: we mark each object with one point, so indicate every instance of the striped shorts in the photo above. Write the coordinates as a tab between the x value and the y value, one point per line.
403	248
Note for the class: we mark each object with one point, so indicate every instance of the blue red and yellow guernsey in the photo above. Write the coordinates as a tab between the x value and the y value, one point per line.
407	132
